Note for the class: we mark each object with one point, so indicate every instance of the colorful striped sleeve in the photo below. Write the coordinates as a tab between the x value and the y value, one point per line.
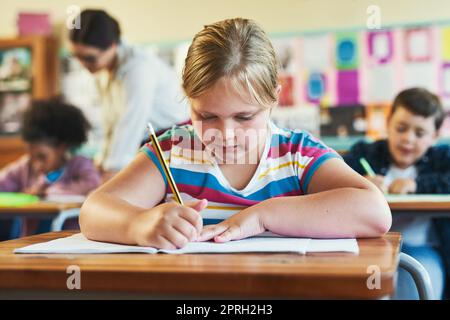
318	153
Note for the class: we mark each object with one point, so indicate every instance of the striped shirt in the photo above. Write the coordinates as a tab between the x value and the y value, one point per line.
288	162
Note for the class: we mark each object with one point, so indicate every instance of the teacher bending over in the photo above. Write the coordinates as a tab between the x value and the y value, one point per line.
135	87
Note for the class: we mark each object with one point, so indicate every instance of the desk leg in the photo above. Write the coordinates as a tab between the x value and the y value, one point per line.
58	222
419	274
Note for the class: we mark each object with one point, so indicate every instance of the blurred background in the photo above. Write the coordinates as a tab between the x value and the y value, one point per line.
341	62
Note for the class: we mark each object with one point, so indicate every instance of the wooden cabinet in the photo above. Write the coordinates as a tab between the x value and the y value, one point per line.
11	148
44	83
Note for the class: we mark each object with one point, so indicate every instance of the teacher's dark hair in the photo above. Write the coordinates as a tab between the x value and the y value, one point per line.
97	29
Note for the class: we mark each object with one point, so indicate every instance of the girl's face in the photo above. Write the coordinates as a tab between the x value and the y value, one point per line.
45	157
410	136
232	129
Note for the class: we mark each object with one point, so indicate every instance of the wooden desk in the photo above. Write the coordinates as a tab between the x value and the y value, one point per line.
430	205
319	275
37	210
11	148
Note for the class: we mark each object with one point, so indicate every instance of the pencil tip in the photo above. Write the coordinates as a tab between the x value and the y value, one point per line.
150	128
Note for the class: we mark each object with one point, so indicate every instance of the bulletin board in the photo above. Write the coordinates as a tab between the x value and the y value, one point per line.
365	67
357	67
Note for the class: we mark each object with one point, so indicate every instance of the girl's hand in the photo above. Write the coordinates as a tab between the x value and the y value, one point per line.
37	189
168	225
244	224
403	186
379	181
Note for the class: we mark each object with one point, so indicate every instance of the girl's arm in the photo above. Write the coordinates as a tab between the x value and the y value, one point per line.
126	210
107	212
340	204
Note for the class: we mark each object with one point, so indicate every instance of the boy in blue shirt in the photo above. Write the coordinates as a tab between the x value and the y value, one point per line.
409	162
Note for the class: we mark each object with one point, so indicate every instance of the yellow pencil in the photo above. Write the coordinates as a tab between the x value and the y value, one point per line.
163	162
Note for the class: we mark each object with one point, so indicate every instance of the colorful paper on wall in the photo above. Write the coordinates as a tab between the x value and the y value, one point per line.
380	46
445	80
346	51
418	45
316	87
445	128
338	69
347	87
445	40
316	52
285	49
381	83
286	97
421	74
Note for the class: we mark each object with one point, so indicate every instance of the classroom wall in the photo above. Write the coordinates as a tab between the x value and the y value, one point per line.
145	21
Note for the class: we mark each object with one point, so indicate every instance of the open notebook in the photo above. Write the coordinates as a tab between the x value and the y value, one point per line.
79	244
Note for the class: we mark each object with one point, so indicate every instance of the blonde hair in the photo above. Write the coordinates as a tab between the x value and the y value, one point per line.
235	48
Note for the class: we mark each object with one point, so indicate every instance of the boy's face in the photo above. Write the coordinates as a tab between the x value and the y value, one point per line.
228	125
409	136
46	158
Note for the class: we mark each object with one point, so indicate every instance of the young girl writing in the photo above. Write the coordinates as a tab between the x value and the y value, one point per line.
233	167
52	131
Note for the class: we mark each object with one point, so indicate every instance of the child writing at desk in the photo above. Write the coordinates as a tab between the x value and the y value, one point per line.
52	130
234	167
408	162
